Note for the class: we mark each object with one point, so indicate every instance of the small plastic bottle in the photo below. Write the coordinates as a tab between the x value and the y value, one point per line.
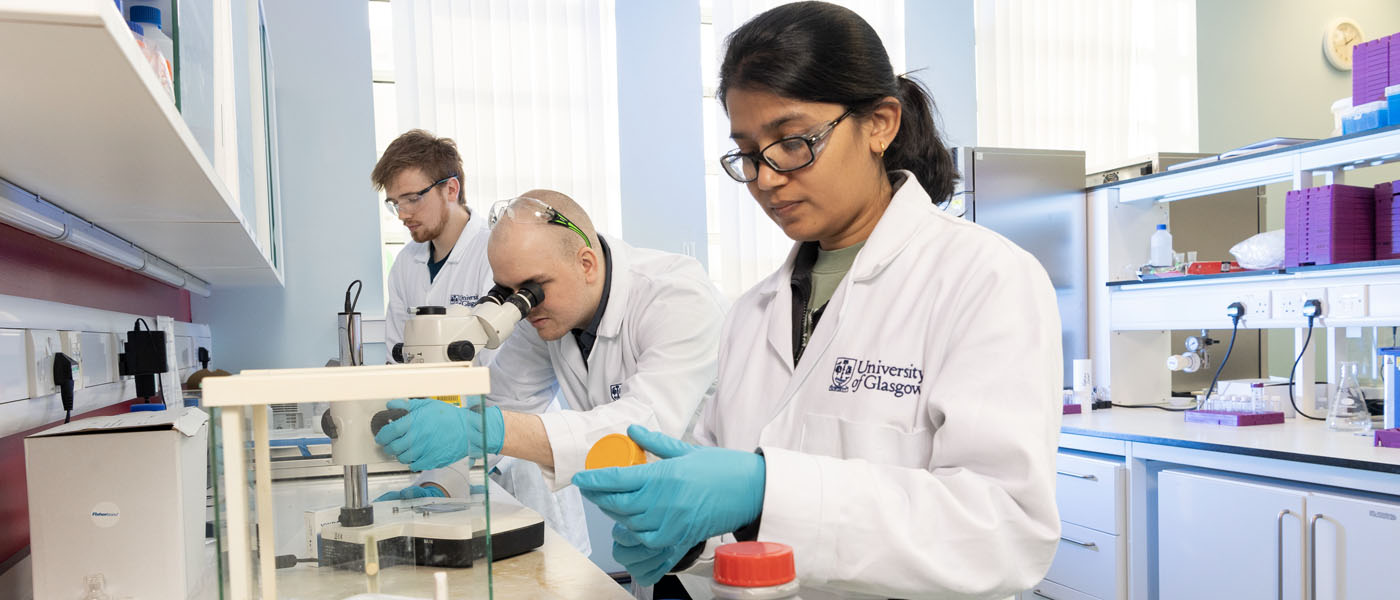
157	48
754	571
148	17
1161	255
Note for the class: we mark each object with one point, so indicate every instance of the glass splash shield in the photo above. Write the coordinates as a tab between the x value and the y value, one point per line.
308	506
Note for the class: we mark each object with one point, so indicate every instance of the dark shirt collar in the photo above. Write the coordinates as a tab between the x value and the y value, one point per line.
586	337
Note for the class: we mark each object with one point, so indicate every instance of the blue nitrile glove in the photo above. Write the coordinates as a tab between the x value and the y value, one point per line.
411	492
647	565
435	434
693	494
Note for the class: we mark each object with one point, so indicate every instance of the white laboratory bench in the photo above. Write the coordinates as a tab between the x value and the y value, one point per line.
1154	507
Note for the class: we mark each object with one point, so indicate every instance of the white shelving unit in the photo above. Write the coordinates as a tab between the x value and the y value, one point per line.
1131	323
87	127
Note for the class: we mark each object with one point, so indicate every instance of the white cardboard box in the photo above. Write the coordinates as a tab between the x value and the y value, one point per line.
120	495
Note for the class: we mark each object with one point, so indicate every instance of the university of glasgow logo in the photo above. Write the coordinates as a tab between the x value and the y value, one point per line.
462	299
616	391
841	377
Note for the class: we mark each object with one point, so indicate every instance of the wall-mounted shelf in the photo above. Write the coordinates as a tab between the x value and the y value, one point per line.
1354	294
1368	148
87	127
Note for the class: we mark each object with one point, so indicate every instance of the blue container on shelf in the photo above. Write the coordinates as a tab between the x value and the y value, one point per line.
1392	100
1366	117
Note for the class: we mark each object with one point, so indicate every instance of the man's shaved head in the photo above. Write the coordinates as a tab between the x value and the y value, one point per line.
571	211
554	256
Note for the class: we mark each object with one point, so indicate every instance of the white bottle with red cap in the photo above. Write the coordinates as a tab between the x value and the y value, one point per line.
754	571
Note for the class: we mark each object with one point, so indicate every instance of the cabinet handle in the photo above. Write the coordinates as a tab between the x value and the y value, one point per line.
1090	545
1042	594
1312	556
1279	548
1078	475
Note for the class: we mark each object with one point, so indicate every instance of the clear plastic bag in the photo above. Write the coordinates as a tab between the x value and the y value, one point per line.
1262	251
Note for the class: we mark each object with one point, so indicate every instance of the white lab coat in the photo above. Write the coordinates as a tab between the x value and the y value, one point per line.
910	453
652	364
463	279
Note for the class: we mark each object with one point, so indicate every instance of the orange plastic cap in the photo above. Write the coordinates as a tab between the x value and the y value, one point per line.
754	564
614	450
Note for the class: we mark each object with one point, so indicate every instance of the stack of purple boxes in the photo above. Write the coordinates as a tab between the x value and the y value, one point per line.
1329	225
1387	221
1371	69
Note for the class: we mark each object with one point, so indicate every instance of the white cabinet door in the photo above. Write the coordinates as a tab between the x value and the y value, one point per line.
1222	537
1354	550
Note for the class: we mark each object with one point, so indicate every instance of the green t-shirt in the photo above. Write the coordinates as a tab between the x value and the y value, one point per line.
827	273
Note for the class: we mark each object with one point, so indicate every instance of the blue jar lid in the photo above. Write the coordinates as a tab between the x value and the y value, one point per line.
147	407
137	29
146	14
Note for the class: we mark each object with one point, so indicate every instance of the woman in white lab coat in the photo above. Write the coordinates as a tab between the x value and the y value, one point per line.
906	427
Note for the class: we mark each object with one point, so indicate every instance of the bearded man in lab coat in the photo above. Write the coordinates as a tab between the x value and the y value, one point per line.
421	175
630	335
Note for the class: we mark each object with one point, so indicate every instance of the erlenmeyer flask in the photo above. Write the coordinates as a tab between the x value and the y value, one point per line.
1347	412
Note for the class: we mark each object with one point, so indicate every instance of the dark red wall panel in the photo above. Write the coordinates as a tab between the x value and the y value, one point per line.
33	267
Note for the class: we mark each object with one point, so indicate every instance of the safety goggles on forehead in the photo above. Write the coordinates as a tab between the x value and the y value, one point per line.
525	209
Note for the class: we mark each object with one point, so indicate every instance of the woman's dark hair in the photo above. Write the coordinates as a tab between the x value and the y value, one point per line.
819	52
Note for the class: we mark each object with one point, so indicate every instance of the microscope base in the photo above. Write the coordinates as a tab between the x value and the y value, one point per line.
431	532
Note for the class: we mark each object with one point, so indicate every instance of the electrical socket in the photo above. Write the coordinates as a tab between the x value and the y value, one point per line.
1288	304
1255	305
1346	301
40	345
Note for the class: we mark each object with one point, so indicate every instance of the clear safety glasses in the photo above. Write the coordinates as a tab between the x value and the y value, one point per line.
409	202
525	209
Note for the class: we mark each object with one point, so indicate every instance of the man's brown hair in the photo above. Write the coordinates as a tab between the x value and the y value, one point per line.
437	157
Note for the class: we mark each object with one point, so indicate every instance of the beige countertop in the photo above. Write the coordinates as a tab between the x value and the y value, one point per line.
554	571
1296	439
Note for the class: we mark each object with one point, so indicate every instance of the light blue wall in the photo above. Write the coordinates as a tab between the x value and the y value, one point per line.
320	49
660	127
938	38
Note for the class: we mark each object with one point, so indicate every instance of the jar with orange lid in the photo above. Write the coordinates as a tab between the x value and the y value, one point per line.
754	571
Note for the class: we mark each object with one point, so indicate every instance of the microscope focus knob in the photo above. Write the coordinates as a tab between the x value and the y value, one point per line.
461	351
397	352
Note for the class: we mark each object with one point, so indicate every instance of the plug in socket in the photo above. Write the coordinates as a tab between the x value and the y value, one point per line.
72	346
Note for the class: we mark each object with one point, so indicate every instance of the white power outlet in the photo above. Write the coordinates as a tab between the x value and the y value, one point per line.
1288	304
1255	305
73	347
1346	301
40	345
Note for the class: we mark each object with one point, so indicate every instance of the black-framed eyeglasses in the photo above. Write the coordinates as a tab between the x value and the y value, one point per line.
785	155
525	209
410	201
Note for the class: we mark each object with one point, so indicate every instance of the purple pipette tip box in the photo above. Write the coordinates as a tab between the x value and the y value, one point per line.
1388	438
1073	409
1232	418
